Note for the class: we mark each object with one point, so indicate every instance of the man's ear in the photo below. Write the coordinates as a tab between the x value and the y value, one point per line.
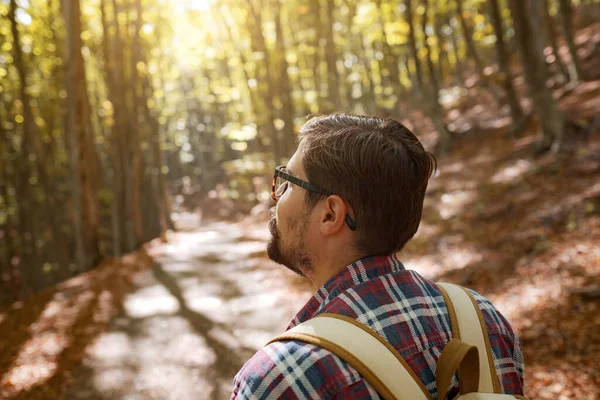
332	215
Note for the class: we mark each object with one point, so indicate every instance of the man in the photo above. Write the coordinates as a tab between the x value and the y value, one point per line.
349	199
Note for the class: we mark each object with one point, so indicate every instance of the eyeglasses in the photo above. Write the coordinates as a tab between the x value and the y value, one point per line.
281	181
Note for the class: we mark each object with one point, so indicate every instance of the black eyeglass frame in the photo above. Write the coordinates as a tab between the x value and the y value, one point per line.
305	185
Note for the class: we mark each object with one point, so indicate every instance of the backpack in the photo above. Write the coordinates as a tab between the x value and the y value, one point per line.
469	352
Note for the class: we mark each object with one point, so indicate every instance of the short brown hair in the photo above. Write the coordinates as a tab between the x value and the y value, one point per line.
378	166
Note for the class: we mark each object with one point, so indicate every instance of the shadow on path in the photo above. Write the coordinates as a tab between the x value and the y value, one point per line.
220	338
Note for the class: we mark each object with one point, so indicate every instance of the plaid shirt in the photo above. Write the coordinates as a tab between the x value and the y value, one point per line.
406	309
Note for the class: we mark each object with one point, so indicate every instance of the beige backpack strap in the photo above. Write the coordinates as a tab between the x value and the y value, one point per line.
472	330
375	359
451	312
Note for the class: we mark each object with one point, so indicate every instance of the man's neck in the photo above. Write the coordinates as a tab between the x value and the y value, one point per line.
324	270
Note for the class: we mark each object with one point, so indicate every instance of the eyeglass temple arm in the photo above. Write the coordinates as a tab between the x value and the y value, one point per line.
351	223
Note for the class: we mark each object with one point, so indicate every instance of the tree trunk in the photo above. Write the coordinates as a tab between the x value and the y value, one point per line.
157	177
460	69
9	279
371	103
123	121
552	119
468	35
412	42
316	63
304	63
333	77
443	51
390	60
536	17
549	25
429	98
435	107
81	147
266	81
137	132
254	98
285	90
566	19
472	51
26	207
504	65
114	168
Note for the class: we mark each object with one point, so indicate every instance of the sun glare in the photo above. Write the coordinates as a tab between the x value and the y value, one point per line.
199	5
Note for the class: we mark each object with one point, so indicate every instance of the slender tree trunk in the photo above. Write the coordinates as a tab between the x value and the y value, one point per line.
17	267
371	103
285	89
473	53
460	68
159	182
81	148
435	107
468	35
504	65
316	64
430	99
430	66
254	99
129	138
406	64
27	215
549	25
137	132
552	119
114	168
536	17
566	19
268	84
52	172
9	279
390	60
121	130
412	41
443	51
157	177
304	63
333	77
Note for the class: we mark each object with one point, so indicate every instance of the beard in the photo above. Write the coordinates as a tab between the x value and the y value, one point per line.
294	257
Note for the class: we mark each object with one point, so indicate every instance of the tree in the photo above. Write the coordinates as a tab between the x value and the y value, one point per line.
550	28
525	14
81	147
115	165
25	191
390	59
285	89
333	76
265	78
566	23
504	66
430	96
472	50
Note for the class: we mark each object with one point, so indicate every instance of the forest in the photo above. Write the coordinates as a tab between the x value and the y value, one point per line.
128	126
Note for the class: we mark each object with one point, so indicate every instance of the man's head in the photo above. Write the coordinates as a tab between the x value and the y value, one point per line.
373	170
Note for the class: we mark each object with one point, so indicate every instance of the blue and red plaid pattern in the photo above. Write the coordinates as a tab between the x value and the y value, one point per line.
404	308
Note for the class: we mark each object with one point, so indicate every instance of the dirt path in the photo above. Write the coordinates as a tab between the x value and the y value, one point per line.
207	304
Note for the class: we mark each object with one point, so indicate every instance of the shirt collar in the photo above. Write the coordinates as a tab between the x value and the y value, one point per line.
358	272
